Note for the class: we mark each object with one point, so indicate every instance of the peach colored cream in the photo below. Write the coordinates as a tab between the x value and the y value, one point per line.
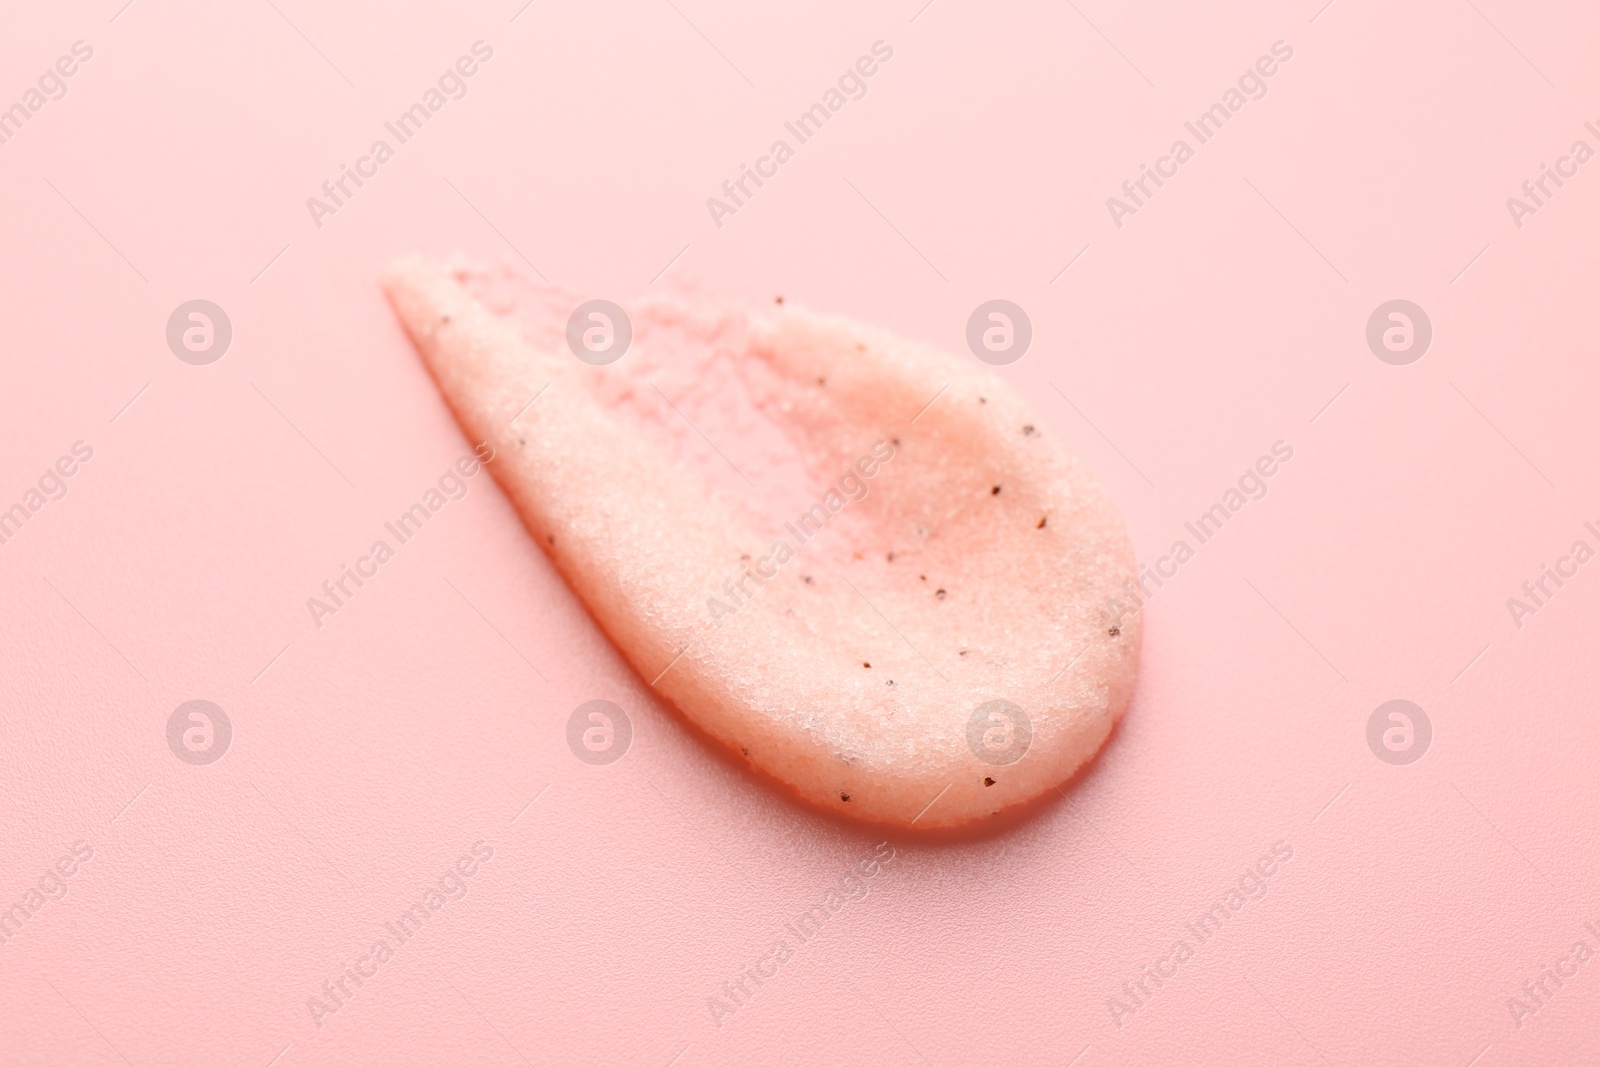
958	555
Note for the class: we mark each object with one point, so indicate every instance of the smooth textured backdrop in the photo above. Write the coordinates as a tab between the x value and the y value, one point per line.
1228	312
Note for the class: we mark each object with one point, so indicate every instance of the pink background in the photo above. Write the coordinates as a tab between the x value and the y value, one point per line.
1224	316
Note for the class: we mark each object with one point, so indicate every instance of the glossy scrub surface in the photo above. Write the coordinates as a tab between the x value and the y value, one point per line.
858	562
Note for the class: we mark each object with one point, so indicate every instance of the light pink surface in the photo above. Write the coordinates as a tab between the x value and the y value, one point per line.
372	753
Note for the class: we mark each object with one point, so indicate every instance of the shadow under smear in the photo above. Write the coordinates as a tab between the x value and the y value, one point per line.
1006	823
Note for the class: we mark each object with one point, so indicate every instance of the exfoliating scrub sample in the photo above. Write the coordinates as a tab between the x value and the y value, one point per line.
859	563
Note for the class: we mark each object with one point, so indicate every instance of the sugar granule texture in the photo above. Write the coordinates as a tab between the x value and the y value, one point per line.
898	592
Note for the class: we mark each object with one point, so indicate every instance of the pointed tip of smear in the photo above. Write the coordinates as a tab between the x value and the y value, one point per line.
421	290
405	272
